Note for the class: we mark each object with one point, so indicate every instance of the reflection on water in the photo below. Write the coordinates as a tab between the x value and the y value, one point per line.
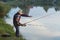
48	27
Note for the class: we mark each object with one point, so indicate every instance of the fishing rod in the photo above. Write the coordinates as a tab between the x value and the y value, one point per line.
38	18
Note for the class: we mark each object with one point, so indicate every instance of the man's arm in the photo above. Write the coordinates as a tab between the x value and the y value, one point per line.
17	20
18	23
24	15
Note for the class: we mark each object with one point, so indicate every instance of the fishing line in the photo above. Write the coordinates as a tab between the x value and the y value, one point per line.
39	18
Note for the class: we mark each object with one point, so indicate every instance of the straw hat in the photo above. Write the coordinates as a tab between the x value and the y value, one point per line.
20	11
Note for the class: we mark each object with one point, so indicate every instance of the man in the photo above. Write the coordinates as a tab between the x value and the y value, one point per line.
16	20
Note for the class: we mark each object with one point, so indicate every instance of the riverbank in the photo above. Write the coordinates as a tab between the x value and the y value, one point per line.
8	29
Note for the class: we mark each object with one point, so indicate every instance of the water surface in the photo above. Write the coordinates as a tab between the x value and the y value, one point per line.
45	28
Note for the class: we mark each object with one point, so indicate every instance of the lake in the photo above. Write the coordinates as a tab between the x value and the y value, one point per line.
46	27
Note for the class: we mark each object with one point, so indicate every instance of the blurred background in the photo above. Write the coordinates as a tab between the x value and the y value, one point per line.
45	13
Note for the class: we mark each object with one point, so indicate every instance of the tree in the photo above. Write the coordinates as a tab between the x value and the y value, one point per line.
3	9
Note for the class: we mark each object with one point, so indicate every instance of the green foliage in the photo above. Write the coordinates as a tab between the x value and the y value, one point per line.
5	28
3	9
11	38
34	2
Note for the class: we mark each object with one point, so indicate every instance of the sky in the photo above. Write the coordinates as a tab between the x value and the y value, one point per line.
45	28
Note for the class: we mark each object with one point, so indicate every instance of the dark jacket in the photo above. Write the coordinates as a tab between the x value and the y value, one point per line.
16	16
14	19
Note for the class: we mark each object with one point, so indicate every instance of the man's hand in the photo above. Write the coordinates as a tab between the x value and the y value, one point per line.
22	24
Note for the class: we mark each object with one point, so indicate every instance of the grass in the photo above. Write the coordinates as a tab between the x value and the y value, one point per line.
6	28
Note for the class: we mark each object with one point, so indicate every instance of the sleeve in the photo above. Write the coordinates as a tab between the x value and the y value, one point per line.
24	15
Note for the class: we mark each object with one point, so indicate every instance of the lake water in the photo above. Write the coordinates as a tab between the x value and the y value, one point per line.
45	28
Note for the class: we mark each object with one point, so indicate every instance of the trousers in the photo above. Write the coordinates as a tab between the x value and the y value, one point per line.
17	31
